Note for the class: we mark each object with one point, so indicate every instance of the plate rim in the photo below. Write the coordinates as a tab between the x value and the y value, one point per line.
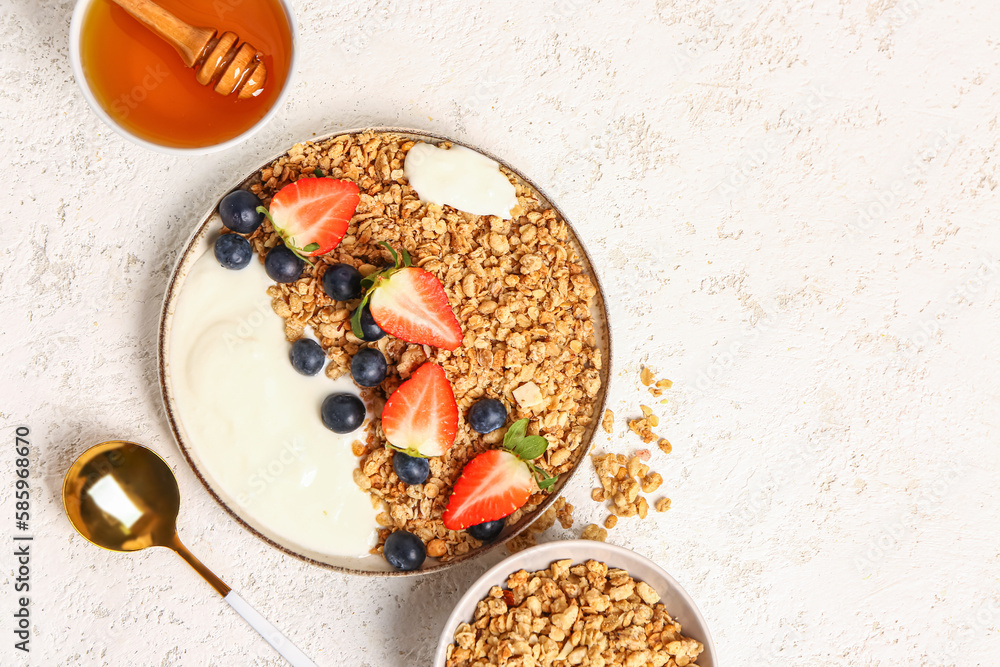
174	422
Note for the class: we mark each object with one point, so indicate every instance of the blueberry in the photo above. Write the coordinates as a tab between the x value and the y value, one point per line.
404	551
369	330
486	532
411	469
283	265
342	413
238	211
486	415
368	367
233	251
307	356
342	282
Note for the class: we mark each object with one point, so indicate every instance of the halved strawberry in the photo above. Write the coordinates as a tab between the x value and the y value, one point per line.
421	416
411	305
312	214
492	486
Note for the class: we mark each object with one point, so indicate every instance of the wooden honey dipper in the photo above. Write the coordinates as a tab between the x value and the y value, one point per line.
234	67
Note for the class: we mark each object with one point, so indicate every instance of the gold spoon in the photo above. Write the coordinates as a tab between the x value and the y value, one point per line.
123	497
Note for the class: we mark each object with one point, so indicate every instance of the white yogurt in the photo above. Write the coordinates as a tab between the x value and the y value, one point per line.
254	421
460	178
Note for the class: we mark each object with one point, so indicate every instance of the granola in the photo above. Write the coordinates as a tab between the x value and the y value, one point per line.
621	480
584	614
517	287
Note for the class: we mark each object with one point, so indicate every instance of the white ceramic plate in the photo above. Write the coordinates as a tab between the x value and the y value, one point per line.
204	235
678	603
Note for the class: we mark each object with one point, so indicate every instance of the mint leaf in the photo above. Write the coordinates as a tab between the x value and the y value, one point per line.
318	173
547	483
515	434
530	447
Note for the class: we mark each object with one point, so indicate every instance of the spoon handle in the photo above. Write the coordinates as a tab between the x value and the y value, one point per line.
271	634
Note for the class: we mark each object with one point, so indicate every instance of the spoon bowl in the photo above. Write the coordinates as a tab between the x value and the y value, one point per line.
122	496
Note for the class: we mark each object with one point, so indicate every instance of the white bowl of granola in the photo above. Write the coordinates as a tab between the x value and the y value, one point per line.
576	601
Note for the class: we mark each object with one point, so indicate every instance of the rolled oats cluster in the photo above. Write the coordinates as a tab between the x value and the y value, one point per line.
517	288
585	614
622	479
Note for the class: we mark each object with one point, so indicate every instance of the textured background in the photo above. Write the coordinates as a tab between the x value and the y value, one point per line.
793	208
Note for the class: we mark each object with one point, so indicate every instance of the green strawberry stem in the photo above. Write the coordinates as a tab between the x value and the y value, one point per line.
356	317
296	251
370	283
409	452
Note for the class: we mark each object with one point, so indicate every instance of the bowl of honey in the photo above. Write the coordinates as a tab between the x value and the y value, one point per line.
139	84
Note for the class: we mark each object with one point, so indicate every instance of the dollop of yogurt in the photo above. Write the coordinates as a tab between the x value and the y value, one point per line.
254	422
460	178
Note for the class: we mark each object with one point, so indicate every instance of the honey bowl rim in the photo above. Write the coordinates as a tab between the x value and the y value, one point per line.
75	42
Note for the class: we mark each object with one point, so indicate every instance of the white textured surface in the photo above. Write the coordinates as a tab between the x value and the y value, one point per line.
835	409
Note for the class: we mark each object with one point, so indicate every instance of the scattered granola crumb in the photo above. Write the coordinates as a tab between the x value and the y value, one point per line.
610	522
564	513
594	532
663	504
560	510
665	446
621	480
608	423
583	614
655	389
651	482
643	429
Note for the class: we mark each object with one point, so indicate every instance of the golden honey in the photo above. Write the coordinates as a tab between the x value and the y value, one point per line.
141	82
